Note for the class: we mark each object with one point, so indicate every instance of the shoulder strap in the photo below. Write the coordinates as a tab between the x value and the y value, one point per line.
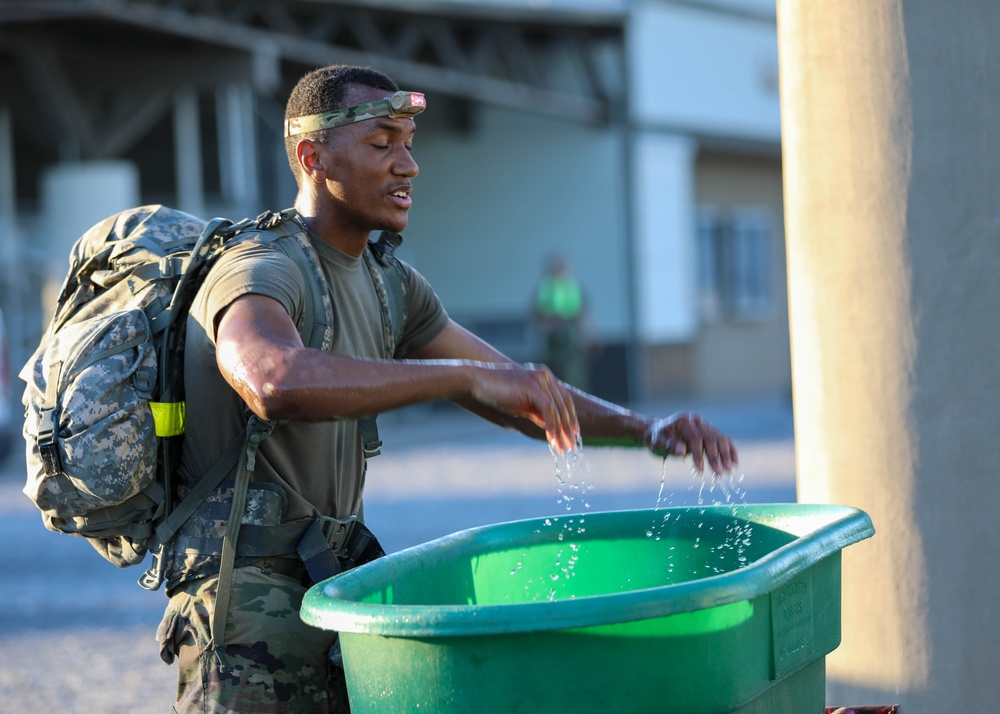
387	271
292	239
393	297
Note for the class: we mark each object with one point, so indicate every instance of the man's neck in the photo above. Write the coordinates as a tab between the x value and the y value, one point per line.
327	229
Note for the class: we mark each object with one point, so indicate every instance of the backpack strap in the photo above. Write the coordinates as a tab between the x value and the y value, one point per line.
166	319
393	297
257	431
317	330
288	236
292	238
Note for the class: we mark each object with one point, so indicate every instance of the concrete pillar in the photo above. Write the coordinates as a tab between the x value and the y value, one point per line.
13	279
665	260
8	191
187	152
238	165
891	175
76	196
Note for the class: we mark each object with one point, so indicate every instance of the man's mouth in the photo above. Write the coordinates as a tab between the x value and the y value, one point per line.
401	197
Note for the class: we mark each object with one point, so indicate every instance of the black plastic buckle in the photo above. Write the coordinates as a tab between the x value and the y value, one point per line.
152	579
272	219
337	531
48	449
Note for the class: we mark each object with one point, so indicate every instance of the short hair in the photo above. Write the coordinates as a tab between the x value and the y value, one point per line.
323	90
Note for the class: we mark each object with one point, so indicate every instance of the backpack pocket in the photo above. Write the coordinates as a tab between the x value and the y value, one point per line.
91	439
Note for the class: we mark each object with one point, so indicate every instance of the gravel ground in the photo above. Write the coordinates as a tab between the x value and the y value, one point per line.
77	635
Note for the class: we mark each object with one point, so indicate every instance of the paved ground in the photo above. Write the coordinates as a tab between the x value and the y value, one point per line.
76	635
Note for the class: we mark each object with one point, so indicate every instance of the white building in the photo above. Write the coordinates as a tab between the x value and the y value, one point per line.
639	139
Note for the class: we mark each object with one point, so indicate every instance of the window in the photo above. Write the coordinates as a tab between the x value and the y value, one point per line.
734	263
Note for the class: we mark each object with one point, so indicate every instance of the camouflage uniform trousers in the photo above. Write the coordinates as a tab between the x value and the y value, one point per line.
280	664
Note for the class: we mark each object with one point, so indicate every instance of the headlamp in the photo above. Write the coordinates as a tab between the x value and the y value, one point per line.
400	105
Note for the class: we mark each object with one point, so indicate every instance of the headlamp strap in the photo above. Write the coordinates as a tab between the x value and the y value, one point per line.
399	105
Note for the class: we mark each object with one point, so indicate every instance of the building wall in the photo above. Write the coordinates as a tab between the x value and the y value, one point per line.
495	197
491	203
705	73
748	353
499	191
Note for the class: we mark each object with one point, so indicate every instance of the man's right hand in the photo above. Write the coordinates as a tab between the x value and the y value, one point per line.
530	392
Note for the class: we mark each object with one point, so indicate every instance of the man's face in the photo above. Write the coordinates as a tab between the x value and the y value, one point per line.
370	168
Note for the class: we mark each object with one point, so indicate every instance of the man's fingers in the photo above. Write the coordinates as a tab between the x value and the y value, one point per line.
566	424
727	454
567	416
688	434
555	404
696	446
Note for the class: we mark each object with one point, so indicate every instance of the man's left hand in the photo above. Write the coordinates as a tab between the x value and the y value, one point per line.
685	433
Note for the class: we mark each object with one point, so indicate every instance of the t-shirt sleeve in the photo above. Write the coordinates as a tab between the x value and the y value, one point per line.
249	270
425	316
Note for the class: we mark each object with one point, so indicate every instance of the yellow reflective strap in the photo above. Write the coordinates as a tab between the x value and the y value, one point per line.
168	417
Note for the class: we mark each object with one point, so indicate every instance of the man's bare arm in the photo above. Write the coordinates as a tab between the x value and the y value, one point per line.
601	423
261	355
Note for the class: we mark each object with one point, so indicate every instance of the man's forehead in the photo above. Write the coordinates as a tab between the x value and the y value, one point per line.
361	104
399	125
358	93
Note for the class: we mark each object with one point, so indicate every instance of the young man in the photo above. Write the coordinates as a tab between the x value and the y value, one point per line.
349	137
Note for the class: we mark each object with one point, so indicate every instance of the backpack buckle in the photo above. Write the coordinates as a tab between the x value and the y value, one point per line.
337	531
153	578
271	219
371	444
325	540
385	247
47	448
51	461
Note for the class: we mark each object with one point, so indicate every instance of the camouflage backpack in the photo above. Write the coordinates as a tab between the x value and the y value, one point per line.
105	390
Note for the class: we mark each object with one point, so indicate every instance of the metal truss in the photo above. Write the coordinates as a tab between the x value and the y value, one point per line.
556	63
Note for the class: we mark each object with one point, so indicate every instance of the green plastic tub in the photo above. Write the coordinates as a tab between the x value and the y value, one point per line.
696	610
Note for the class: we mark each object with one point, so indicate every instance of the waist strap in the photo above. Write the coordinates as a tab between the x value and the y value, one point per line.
331	545
255	541
326	546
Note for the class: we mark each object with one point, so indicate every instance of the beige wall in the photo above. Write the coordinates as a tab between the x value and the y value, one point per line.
734	357
890	145
746	357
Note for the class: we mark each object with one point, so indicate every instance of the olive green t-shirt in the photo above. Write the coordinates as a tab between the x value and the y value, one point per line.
319	466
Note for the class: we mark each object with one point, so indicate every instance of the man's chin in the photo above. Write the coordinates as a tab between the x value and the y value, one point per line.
395	226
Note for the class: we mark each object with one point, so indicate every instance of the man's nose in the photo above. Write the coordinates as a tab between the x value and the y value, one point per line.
405	165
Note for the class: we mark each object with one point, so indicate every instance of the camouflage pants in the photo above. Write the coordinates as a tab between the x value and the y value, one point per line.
280	664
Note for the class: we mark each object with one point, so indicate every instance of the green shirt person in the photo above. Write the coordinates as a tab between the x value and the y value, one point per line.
559	314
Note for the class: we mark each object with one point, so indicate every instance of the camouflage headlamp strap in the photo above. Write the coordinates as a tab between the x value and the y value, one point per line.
399	105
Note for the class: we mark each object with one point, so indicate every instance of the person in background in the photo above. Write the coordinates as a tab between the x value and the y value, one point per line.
559	313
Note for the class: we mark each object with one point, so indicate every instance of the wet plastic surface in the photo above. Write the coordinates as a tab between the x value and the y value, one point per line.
703	609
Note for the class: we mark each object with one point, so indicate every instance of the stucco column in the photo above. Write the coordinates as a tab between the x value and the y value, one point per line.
892	196
75	196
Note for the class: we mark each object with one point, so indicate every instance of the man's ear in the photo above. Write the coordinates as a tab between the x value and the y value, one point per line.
311	160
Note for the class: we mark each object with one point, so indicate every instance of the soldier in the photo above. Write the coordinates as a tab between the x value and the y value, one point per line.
559	313
240	645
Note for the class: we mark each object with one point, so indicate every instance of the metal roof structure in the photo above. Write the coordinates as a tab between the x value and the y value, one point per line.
95	76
